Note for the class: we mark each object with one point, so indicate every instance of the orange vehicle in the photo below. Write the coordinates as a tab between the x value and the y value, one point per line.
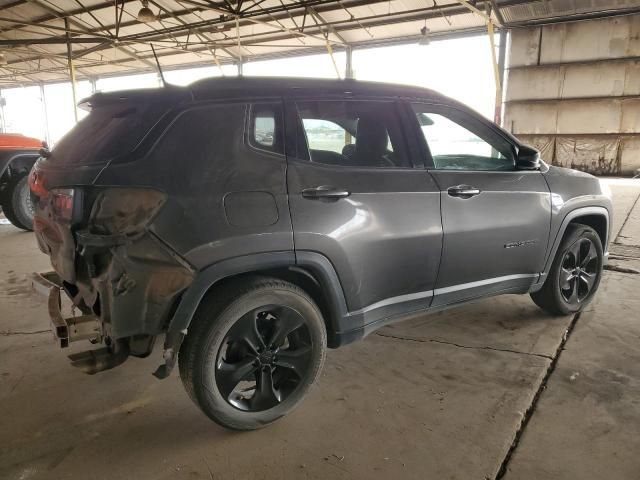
17	155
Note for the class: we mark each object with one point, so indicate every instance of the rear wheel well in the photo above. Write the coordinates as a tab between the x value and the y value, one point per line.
293	274
22	163
17	166
597	222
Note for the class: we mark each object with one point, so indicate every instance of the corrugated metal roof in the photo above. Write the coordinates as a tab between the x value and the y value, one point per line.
106	36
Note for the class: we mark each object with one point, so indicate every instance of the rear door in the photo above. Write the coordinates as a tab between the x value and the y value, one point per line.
356	198
495	217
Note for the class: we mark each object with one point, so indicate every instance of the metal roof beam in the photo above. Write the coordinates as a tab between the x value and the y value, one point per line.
497	11
271	56
298	10
276	13
330	28
197	31
50	16
477	11
27	23
82	27
371	21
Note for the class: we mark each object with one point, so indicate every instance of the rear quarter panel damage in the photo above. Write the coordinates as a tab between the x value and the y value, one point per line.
136	284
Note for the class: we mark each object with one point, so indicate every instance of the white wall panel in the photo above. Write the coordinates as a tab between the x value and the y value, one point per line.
577	86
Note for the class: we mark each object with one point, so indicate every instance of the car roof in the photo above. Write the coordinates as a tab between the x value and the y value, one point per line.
252	87
267	86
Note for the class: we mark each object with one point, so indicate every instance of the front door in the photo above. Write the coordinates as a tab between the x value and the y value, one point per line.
356	198
495	217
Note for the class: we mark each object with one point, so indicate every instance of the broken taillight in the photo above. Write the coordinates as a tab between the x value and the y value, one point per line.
62	203
36	183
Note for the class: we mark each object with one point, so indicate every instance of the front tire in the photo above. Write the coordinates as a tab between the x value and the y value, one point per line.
17	206
575	273
253	351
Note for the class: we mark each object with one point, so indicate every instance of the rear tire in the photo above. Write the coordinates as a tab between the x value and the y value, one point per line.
575	273
253	351
17	206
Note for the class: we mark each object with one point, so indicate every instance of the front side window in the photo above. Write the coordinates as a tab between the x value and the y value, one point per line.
457	141
353	133
265	130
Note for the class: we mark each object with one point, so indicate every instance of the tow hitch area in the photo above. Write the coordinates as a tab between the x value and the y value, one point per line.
75	328
67	330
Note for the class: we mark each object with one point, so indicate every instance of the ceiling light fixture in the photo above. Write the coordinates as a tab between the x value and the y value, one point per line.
426	33
145	15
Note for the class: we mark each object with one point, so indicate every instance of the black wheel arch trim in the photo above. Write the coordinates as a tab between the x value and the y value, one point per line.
18	160
318	265
570	217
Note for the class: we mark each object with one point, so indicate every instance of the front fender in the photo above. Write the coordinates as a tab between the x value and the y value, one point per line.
567	214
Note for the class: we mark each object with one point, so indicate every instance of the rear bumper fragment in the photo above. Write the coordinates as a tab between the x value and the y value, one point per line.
71	329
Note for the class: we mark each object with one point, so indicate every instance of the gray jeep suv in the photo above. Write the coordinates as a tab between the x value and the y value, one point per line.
256	222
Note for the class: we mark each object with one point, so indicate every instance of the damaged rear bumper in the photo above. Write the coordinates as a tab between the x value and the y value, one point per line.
75	328
125	290
65	329
131	285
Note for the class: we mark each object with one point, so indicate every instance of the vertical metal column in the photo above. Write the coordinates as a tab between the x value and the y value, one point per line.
47	137
496	72
72	71
239	46
502	50
3	126
348	71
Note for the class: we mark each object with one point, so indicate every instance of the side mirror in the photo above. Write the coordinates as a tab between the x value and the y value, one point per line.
528	158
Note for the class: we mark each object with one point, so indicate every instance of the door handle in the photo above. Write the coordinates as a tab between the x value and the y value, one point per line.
325	191
463	191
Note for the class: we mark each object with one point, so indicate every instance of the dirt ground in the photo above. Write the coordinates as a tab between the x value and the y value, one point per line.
489	390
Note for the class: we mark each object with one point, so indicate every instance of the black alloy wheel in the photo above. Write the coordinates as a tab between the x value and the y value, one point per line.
579	271
253	351
575	273
264	357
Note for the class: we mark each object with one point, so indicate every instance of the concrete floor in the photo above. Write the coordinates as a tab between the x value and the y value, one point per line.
482	392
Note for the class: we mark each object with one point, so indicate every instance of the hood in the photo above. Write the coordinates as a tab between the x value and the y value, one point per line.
568	172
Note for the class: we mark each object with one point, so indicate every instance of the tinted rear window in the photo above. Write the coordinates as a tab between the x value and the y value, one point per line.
109	131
